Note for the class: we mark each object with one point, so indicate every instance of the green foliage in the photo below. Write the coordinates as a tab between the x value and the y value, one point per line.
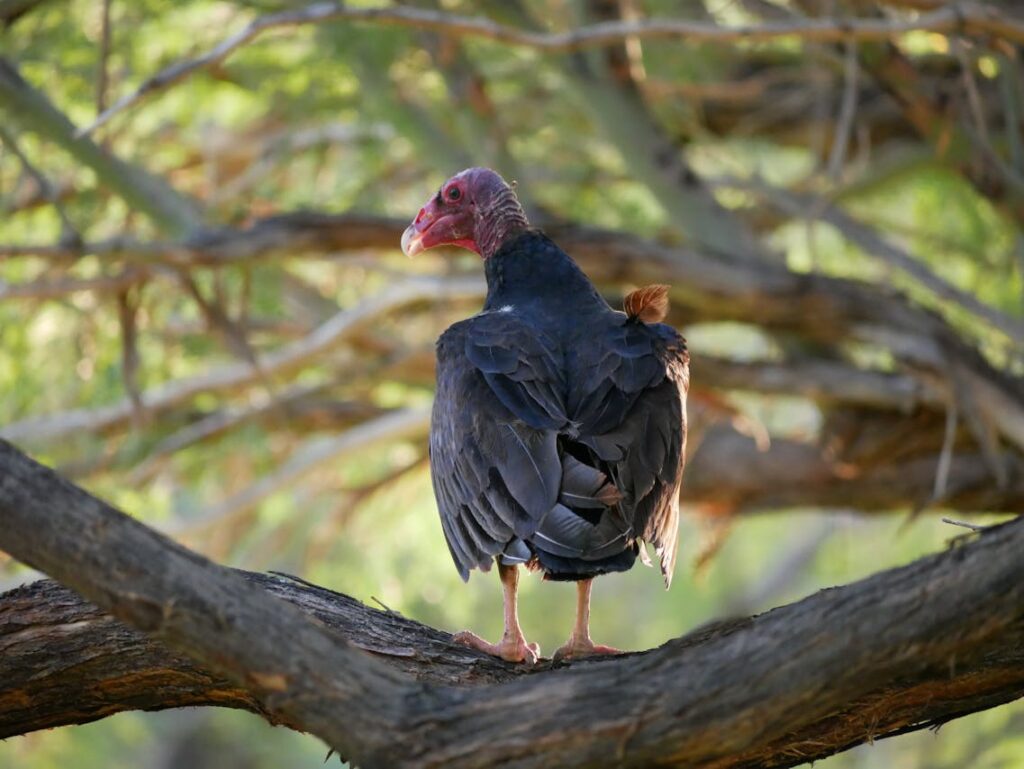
371	119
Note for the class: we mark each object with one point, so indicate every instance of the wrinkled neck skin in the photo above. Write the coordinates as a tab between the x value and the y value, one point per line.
498	219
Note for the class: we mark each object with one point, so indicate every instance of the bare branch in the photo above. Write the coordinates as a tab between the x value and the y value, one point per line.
964	524
69	233
12	10
729	473
960	17
820	380
102	66
127	312
876	244
847	112
847	665
291	402
24	107
55	288
394	425
233	376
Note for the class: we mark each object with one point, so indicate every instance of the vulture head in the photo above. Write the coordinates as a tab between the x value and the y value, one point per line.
475	209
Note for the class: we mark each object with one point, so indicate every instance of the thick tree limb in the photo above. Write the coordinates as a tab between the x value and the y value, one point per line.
904	649
295	665
972	18
728	473
64	661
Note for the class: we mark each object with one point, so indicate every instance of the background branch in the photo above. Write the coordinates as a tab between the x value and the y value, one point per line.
959	16
28	109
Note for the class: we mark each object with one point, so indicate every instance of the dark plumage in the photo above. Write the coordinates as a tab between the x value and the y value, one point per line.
559	424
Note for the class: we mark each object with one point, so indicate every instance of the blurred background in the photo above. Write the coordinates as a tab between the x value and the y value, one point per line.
205	317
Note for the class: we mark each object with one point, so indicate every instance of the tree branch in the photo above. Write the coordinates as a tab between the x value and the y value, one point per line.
12	10
236	375
939	125
295	666
904	649
878	245
729	473
820	307
975	18
106	667
617	105
30	110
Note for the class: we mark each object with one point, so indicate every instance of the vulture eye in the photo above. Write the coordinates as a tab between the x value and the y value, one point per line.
454	193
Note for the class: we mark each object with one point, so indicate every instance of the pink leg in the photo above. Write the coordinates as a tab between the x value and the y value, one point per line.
513	646
579	643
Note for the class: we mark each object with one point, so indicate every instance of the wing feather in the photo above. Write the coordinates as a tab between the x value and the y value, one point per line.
510	398
494	458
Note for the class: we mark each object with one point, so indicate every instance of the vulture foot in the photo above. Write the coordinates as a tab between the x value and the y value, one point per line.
578	648
510	649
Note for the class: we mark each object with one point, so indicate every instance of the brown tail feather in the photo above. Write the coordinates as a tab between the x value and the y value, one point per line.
649	303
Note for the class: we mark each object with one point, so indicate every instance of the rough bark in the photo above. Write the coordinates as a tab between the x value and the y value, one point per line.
65	661
904	649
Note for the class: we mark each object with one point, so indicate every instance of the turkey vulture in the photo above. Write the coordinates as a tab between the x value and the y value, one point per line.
559	427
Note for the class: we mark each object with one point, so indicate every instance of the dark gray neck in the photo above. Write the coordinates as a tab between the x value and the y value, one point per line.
530	270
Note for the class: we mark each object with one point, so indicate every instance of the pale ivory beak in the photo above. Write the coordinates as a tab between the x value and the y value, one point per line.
412	241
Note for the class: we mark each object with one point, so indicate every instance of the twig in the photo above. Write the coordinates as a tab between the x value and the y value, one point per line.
69	234
379	602
1011	97
102	75
964	524
394	425
946	455
128	306
217	320
977	111
967	17
56	288
874	243
847	112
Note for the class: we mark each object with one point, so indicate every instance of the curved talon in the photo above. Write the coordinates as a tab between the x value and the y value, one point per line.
509	649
